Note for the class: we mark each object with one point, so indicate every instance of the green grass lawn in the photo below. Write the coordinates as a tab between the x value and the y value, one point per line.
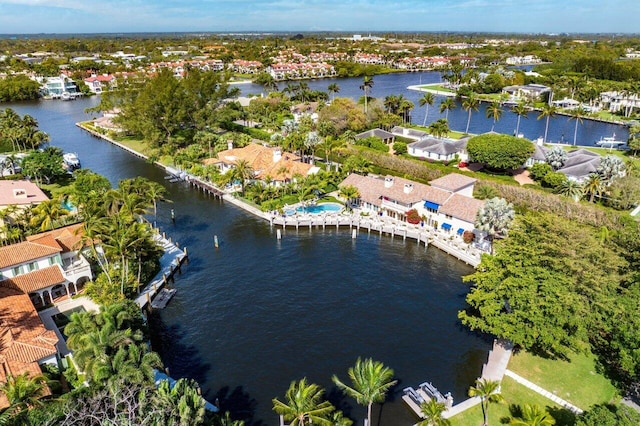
514	394
438	87
576	381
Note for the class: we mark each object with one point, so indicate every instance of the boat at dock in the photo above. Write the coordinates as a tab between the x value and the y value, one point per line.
162	298
610	142
414	398
71	161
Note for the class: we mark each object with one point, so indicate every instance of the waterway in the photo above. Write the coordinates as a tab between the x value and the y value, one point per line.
257	313
561	128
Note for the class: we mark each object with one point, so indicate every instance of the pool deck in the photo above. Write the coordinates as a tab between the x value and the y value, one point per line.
46	316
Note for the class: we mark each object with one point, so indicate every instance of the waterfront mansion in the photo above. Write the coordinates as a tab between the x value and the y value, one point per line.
446	204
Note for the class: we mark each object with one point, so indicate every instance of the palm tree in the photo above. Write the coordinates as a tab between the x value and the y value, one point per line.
520	109
370	382
571	188
593	186
178	405
427	99
366	86
439	128
333	88
304	405
47	213
447	105
470	104
548	111
432	411
489	392
405	106
226	420
23	393
577	115
533	415
495	111
349	192
485	192
242	172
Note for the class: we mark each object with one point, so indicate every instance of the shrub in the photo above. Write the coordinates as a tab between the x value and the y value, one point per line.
502	152
400	148
554	179
413	217
538	171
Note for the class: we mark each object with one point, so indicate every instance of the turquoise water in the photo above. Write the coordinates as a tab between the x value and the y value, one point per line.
320	208
67	205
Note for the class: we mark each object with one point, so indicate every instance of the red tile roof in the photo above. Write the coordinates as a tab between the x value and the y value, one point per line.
17	254
68	238
23	338
372	189
35	280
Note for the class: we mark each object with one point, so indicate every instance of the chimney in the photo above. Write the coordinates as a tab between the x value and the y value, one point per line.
230	144
388	182
277	155
408	187
19	193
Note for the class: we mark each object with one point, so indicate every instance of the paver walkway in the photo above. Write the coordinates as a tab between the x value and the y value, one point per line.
543	392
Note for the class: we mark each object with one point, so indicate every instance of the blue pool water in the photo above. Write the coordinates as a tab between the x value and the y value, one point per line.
320	208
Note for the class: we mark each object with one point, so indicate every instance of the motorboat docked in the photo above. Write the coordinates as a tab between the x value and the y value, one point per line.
414	398
610	142
71	160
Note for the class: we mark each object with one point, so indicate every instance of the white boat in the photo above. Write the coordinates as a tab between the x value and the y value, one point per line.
610	142
71	160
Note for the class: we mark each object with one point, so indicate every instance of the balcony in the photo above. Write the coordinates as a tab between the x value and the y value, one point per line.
74	269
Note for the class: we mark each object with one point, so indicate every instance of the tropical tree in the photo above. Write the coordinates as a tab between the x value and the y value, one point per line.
242	172
548	111
47	214
593	186
634	139
571	188
226	420
349	192
405	106
495	218
520	109
470	103
484	192
556	157
177	405
610	168
439	128
533	415
432	411
333	88
427	99
494	111
366	86
304	405
23	393
489	392
446	105
502	152
577	115
370	381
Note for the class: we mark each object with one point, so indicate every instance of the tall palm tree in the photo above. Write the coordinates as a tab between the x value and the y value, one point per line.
447	105
520	109
405	106
439	128
494	111
366	86
489	392
470	103
427	99
23	392
533	415
47	214
370	382
432	411
593	186
304	405
577	115
333	88
548	111
242	172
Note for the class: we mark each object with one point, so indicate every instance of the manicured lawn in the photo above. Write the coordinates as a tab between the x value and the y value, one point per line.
576	381
514	395
437	87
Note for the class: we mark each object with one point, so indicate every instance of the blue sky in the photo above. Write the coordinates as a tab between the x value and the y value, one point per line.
537	16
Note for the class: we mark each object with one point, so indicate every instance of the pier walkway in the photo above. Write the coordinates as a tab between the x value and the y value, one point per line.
543	392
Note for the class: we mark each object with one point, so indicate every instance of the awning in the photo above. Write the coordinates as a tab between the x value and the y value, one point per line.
430	205
446	226
460	231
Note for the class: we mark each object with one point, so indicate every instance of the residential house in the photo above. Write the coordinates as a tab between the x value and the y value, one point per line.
56	86
409	133
530	91
580	163
99	83
446	204
440	149
21	193
539	155
267	163
620	102
47	266
383	135
26	343
305	109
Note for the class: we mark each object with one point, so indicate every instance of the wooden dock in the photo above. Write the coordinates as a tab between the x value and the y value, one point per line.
162	298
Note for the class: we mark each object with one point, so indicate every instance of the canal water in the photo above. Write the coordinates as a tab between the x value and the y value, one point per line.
561	128
257	313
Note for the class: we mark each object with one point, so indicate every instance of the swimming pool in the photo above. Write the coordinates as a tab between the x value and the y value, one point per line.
317	209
